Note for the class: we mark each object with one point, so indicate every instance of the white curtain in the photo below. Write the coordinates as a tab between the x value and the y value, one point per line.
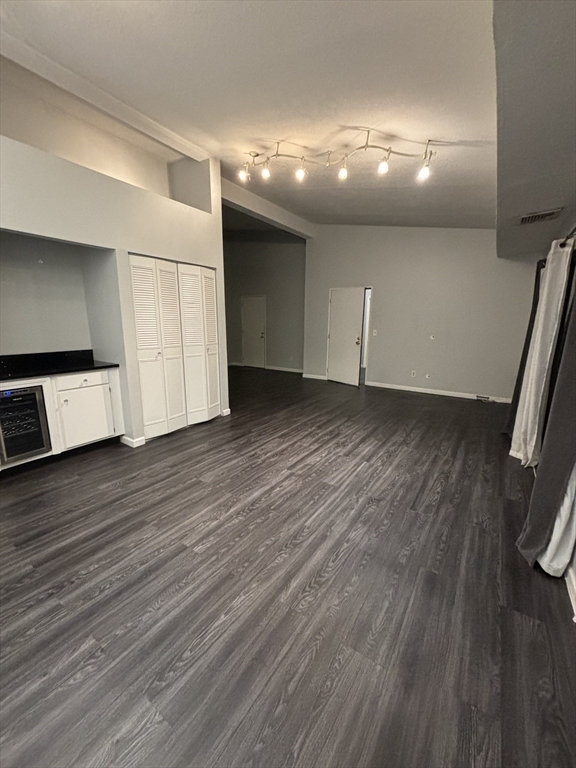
527	436
559	552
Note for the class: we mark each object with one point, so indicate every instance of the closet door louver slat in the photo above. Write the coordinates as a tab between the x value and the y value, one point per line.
169	309
211	334
210	309
191	307
145	309
172	353
192	316
148	346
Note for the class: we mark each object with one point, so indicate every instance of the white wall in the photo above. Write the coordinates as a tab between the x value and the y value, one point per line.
104	308
28	115
190	183
42	299
277	271
50	197
442	282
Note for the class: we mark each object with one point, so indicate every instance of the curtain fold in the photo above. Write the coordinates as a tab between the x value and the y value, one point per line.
528	427
547	535
508	428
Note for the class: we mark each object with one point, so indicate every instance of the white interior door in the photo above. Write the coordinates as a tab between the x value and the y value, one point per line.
171	338
192	315
149	345
253	312
345	334
211	339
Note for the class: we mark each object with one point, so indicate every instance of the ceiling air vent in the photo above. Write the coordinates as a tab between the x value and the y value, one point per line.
532	218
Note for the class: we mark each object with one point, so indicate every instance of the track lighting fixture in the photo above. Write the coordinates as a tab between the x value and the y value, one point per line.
325	159
244	173
383	167
424	172
301	172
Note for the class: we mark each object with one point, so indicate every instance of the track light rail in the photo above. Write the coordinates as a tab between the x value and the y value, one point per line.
341	160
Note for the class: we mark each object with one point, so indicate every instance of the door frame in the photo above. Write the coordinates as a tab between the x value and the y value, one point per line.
364	288
254	296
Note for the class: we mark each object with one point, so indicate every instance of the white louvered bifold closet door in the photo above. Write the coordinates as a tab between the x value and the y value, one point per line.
149	345
171	338
192	317
211	338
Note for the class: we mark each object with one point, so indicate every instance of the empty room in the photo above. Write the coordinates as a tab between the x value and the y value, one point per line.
288	384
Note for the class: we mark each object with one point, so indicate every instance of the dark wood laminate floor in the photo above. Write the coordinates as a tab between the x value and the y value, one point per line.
326	578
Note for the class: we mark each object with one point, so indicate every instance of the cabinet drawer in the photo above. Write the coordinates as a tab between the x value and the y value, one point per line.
77	380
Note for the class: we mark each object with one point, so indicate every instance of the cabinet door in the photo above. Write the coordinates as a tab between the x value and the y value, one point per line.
85	415
149	345
211	340
171	341
192	315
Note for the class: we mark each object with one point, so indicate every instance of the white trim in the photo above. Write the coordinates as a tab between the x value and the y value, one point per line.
280	368
240	365
132	443
41	65
446	393
570	577
226	412
313	376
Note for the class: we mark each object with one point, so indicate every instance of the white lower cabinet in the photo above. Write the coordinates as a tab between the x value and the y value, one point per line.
85	415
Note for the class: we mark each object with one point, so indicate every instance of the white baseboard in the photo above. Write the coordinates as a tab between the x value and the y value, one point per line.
313	376
226	412
132	443
443	392
280	368
570	577
241	365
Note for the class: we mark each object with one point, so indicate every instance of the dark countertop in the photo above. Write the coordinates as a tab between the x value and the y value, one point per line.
31	366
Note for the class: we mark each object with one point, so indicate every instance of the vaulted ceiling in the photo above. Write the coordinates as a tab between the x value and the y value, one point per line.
234	76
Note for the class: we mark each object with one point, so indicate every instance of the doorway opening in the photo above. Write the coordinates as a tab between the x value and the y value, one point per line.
264	277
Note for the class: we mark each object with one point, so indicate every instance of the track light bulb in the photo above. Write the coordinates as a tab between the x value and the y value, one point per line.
301	173
343	172
424	172
266	171
243	174
383	167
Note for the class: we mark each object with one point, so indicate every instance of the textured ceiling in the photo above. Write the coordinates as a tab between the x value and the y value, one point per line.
233	76
536	65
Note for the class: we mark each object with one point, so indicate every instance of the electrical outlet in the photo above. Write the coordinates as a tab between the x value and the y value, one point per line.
374	332
428	375
413	374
